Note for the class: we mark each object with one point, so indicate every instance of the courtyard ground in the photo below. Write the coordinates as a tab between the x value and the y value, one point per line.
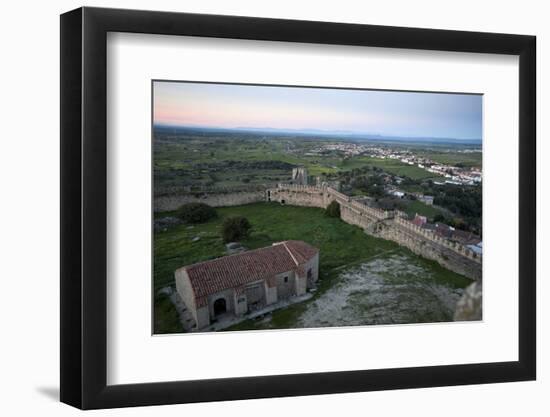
393	289
352	266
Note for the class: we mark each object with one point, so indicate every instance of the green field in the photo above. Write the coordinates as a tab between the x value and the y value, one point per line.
471	159
203	162
271	222
391	166
341	245
199	161
422	209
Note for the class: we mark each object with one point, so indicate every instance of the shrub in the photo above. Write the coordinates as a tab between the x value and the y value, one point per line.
235	229
439	218
333	209
196	213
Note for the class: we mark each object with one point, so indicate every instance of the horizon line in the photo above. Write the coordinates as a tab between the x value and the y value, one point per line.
309	131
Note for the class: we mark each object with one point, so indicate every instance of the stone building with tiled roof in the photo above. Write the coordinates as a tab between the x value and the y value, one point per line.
242	283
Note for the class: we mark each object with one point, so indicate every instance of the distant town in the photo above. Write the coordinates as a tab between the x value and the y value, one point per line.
451	174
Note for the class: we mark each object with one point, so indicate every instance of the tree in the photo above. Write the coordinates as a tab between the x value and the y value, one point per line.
373	185
196	213
333	209
439	218
235	228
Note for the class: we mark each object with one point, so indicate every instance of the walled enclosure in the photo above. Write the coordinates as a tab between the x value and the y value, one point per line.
385	224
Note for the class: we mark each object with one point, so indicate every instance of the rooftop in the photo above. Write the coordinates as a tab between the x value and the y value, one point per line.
232	271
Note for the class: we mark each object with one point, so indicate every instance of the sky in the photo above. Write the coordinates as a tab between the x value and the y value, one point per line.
375	112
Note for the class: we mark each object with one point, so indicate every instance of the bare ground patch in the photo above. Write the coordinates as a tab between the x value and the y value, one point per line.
391	290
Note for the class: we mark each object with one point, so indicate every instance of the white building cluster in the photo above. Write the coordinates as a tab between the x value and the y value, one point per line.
451	174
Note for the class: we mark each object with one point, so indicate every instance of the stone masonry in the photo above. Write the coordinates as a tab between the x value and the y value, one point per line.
173	202
388	225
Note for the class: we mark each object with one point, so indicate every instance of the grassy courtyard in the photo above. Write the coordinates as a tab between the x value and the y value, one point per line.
342	246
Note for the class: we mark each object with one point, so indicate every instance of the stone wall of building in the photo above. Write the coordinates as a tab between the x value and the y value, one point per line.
228	295
173	202
185	291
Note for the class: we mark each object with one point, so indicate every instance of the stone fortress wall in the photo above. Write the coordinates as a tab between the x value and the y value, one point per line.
388	225
216	199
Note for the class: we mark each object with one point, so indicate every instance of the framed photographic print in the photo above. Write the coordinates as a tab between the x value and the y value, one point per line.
258	207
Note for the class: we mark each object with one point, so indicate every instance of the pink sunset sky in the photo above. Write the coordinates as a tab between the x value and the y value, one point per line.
231	106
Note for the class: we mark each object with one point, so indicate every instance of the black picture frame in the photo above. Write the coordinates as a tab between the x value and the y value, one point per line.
84	207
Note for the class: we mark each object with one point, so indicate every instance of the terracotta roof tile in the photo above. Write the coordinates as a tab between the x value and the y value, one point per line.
232	271
301	250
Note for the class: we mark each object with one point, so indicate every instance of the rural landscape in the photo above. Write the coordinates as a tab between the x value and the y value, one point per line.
291	222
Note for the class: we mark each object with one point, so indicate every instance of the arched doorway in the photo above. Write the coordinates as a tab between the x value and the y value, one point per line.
219	306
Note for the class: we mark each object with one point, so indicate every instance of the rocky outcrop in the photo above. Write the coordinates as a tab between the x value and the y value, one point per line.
165	223
469	307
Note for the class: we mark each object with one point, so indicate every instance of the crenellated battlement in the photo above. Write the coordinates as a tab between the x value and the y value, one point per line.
433	237
299	187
